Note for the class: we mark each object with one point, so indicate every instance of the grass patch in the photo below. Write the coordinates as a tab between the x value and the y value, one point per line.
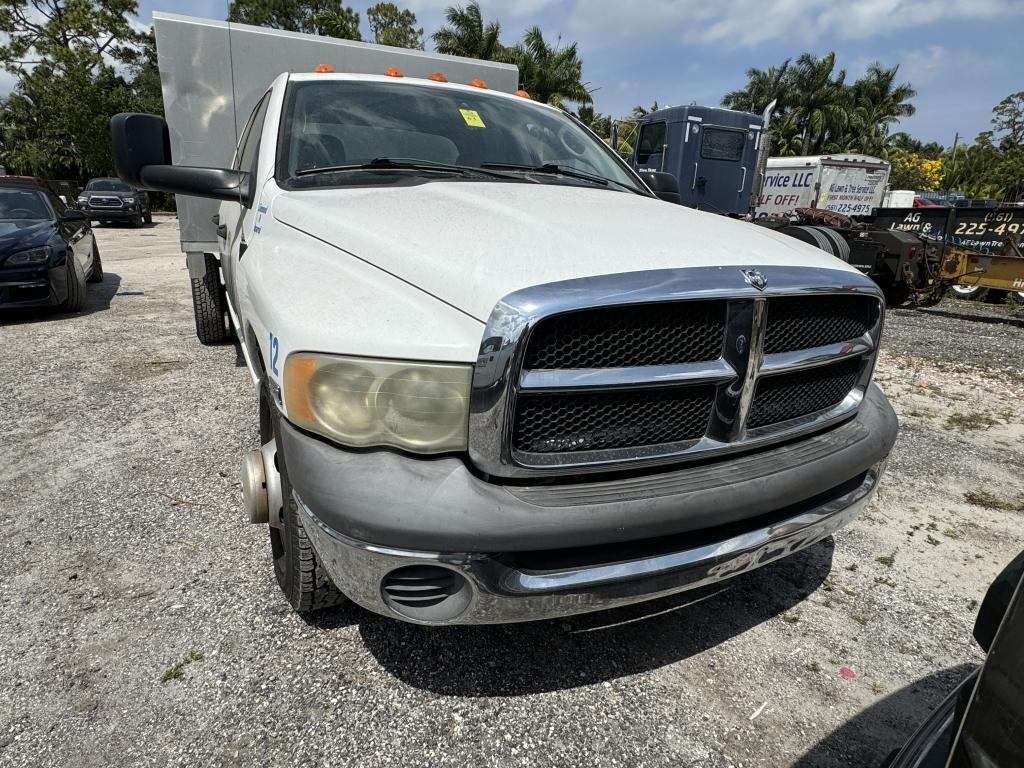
886	560
991	501
968	422
950	533
918	413
177	671
883	580
814	667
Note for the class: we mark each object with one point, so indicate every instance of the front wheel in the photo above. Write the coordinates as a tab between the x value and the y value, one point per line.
149	217
299	572
96	275
75	301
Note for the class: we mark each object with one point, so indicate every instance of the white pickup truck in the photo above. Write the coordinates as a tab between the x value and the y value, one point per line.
498	378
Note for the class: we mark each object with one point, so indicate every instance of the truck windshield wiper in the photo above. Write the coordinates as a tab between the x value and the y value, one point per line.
404	164
554	170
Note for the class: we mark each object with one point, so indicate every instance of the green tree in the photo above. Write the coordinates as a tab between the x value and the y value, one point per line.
78	32
317	17
77	63
877	102
465	34
552	74
56	121
1008	118
392	26
763	87
819	101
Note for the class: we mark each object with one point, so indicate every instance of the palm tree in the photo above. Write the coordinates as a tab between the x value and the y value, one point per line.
819	100
763	87
877	102
465	34
552	74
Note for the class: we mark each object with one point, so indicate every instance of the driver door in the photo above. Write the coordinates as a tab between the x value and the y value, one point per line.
232	217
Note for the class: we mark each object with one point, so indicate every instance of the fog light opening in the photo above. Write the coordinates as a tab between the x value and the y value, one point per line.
426	593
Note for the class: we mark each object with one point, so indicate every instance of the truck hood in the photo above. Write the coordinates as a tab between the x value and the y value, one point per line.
471	243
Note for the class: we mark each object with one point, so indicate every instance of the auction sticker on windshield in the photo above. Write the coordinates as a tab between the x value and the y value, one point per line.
472	118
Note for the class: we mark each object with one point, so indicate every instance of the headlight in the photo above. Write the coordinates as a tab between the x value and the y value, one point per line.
28	258
129	200
83	199
421	407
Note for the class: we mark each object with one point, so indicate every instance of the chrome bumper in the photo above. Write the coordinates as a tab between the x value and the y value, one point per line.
499	592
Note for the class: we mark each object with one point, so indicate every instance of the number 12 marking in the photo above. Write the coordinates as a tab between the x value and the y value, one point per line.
275	348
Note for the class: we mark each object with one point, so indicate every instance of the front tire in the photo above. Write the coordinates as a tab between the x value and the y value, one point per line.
299	572
75	301
209	304
149	218
96	275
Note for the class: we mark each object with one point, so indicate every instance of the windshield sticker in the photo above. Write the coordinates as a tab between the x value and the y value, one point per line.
472	118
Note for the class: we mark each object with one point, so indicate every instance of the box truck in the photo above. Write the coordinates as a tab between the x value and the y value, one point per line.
849	184
481	397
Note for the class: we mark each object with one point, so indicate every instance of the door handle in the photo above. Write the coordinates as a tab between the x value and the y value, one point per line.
222	231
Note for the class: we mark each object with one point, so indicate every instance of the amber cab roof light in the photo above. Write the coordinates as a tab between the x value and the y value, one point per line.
393	72
323	69
478	83
438	77
523	93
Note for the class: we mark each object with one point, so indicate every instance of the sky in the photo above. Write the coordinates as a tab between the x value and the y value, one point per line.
962	56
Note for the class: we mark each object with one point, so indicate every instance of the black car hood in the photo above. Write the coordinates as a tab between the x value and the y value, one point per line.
19	234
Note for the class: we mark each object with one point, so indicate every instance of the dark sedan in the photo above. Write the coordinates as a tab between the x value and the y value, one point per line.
111	200
47	251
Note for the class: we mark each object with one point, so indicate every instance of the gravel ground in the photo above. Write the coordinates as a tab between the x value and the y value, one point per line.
142	624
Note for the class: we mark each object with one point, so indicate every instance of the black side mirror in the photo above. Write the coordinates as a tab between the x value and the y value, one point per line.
664	185
142	157
72	214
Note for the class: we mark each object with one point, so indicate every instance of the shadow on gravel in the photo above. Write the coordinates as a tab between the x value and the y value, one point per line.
98	298
871	736
536	657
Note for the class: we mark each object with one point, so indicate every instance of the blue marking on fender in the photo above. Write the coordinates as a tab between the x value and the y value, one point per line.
256	227
275	348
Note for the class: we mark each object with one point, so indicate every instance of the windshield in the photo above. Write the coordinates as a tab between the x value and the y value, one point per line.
23	204
353	123
107	185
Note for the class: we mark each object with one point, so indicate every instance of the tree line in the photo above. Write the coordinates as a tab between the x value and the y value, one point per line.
77	62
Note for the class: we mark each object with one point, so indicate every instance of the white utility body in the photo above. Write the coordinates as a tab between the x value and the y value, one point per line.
498	378
844	183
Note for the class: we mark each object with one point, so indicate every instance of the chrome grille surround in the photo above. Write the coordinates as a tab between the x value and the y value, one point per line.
499	377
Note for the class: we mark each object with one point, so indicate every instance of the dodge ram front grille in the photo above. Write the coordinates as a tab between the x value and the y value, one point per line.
803	322
616	337
793	395
669	365
596	420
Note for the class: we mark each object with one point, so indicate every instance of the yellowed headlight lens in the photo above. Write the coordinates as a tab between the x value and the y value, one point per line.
421	407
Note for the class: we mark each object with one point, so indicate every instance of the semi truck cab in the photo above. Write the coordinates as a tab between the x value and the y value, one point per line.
712	152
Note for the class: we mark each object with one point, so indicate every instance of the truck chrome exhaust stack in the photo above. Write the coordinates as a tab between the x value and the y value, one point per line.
261	486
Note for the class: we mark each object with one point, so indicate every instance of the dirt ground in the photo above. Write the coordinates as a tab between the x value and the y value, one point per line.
142	625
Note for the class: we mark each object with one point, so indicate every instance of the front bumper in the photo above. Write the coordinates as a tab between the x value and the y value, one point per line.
528	553
111	214
32	287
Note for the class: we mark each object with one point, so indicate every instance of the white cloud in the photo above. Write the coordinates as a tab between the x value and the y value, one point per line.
747	23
